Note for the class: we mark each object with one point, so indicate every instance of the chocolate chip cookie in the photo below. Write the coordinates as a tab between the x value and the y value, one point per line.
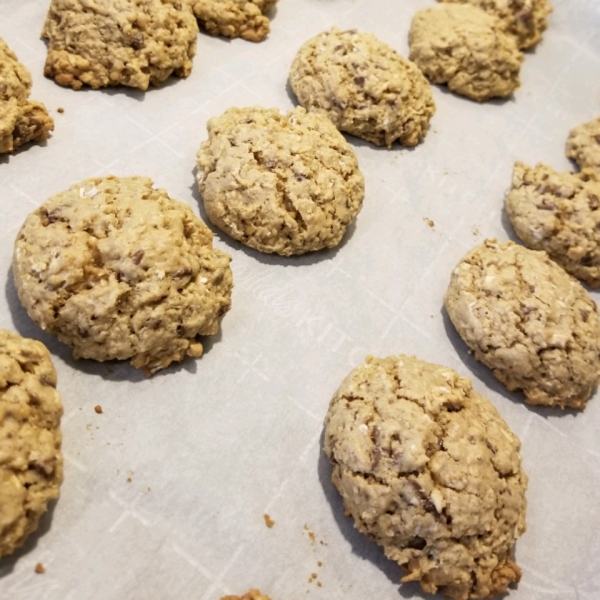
529	321
279	183
31	462
364	86
119	270
583	144
234	18
134	43
559	213
429	470
463	47
21	120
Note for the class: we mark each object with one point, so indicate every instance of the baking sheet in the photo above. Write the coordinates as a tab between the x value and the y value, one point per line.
165	492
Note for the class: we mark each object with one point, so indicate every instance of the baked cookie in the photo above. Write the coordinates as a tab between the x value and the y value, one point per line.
463	46
253	594
234	18
31	463
287	184
130	42
526	20
583	144
430	471
529	321
559	213
119	270
21	120
365	87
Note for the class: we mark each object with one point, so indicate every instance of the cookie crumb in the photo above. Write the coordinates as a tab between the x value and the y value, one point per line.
129	480
310	533
39	568
253	594
60	110
429	222
98	409
319	564
268	521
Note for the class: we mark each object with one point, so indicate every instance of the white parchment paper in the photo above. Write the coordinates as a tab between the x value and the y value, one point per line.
165	492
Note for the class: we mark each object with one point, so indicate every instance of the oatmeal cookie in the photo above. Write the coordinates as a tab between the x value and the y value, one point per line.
529	321
234	18
365	87
583	144
133	43
559	213
526	20
31	462
429	470
119	270
287	184
464	47
21	120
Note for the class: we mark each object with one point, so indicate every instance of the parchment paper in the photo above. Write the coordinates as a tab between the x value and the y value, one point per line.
165	492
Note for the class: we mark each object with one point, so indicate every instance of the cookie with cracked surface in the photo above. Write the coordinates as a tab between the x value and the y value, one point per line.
429	470
526	20
31	463
559	213
583	144
279	183
134	43
21	120
234	18
253	594
463	47
119	270
364	86
529	321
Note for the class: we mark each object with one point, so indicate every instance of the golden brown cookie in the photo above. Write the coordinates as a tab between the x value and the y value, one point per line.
529	321
31	462
526	20
21	120
365	87
119	270
135	43
583	144
234	18
559	213
464	47
282	183
429	470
